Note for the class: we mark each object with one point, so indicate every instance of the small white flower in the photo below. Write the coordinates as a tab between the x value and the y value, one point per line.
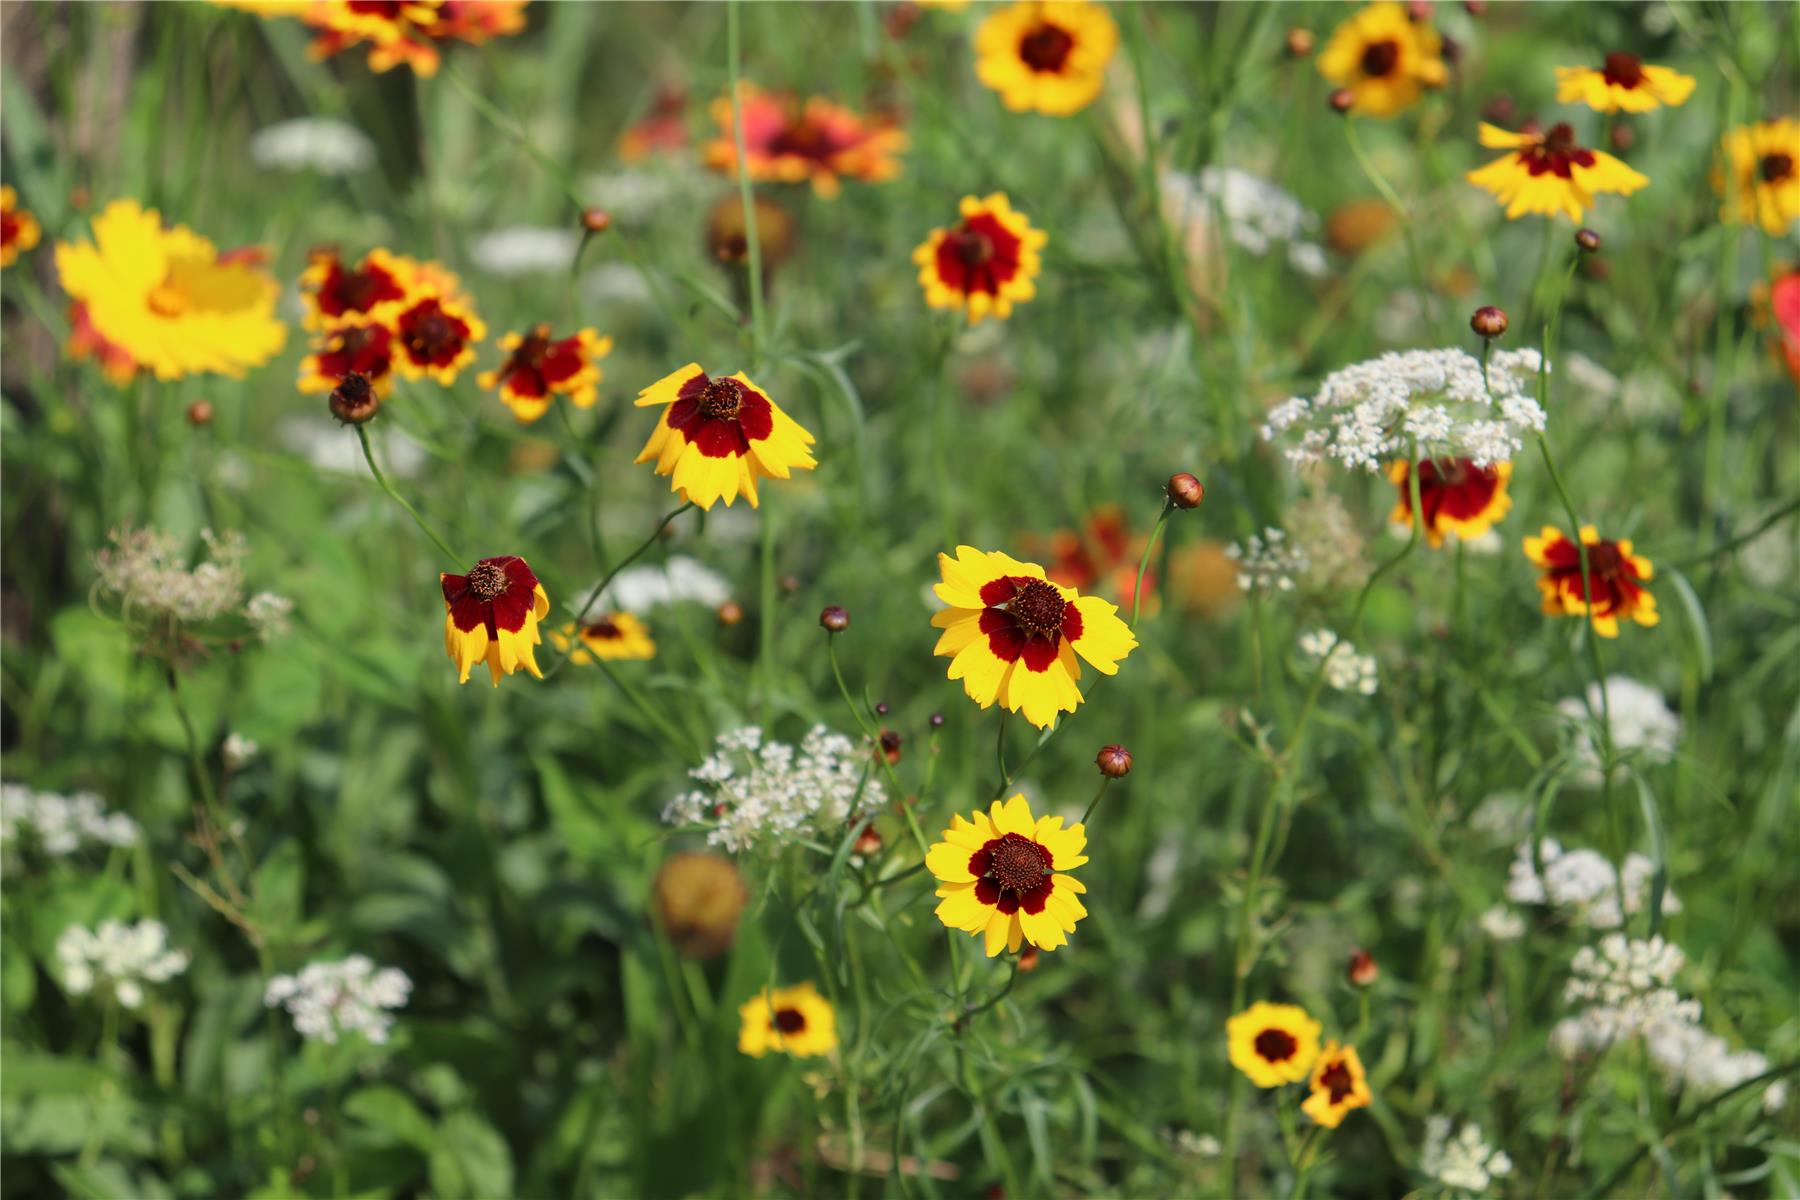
1345	669
755	788
60	824
1267	562
1583	883
681	579
1501	923
1464	1162
119	958
525	250
268	614
238	750
330	999
1641	723
146	571
1253	212
312	144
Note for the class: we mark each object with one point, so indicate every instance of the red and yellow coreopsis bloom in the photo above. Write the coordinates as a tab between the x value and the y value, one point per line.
1760	177
717	437
1615	579
611	637
1339	1084
436	336
1013	636
1104	551
1549	173
408	32
539	367
984	264
86	342
19	230
1624	83
1272	1043
1385	58
491	615
357	344
786	141
1001	874
1048	56
791	1020
373	289
1455	496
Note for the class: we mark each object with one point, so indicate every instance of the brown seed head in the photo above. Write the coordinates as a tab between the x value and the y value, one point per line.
1299	42
354	401
1588	240
596	220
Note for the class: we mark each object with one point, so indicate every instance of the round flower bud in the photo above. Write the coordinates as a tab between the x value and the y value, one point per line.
596	220
700	898
1588	240
354	401
1028	958
200	414
1342	100
937	720
1488	321
881	708
1362	970
834	619
1114	761
1299	42
890	746
1622	137
1185	490
730	613
790	583
868	842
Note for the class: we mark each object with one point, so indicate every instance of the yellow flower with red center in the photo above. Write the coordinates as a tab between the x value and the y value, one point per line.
168	298
612	637
717	437
1339	1084
786	141
1272	1043
1763	162
1548	173
791	1020
539	367
376	288
491	615
1001	874
405	32
1013	636
19	230
1385	58
1047	56
357	345
1615	579
1624	83
1455	496
984	264
436	336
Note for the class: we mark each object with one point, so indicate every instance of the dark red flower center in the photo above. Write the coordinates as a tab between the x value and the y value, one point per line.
487	580
721	416
9	227
431	335
972	246
1027	618
357	290
359	349
497	592
1046	48
1039	608
1454	488
1336	1081
980	255
721	399
1623	70
1380	58
605	629
789	1020
1275	1045
540	362
1775	167
1012	872
1556	153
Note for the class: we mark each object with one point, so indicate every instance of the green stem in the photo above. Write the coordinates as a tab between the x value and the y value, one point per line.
362	434
751	242
594	593
1095	802
1611	1184
1137	589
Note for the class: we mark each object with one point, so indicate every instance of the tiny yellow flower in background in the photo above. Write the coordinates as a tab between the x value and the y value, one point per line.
1000	874
984	264
1624	84
1339	1084
613	637
19	230
792	1020
1764	186
1384	58
717	437
1049	57
1549	173
1012	635
168	299
540	366
491	615
1455	497
1615	578
1273	1043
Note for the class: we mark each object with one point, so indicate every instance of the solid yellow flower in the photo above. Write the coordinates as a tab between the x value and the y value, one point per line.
1549	173
1273	1043
1455	497
717	437
1764	185
540	367
19	230
1624	84
984	264
1013	636
792	1020
1001	874
1615	578
168	298
612	637
1385	58
1047	56
491	615
1339	1084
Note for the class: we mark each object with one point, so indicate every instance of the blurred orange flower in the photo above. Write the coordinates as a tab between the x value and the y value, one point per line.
789	142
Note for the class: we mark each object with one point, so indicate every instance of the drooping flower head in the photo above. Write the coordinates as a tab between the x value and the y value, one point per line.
540	366
717	437
357	345
491	615
1549	173
19	230
1624	83
1047	56
1002	874
786	141
1759	179
1615	578
1012	636
983	264
1339	1084
1385	58
436	336
1455	497
1273	1043
408	32
168	298
609	637
791	1020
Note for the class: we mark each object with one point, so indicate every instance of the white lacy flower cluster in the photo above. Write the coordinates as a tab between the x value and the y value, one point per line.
1434	401
640	589
1345	669
312	144
1326	535
119	958
1584	883
330	999
1465	1162
1256	214
1267	562
756	789
146	571
525	250
61	823
1630	978
1689	1056
1641	723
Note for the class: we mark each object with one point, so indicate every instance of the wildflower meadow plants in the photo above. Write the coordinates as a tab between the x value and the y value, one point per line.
1260	656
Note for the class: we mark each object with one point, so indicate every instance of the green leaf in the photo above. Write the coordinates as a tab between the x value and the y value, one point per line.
470	1159
1699	629
390	1111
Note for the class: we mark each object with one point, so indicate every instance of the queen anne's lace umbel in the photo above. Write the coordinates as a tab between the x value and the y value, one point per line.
330	999
754	788
60	824
117	958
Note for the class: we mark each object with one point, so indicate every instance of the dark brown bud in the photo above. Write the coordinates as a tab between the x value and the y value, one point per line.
1185	490
834	619
1342	100
937	720
1588	240
1299	42
596	220
868	842
1028	958
1362	970
1499	109
1622	137
1114	761
200	414
890	746
1452	51
731	613
881	708
354	401
1488	321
